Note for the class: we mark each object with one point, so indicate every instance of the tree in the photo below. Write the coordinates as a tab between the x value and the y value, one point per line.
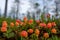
12	12
36	7
0	12
28	15
5	12
45	6
57	6
17	11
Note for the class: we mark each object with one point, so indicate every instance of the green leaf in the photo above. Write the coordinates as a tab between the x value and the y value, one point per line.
9	30
9	35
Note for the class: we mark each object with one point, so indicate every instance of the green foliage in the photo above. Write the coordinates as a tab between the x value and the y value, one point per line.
9	33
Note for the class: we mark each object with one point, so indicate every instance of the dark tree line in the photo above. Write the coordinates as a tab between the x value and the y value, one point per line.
36	5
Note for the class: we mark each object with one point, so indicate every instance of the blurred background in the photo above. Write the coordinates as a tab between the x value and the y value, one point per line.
18	9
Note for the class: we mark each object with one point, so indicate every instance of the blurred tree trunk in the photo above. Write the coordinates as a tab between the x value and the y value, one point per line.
56	10
28	15
56	3
0	12
5	12
37	15
12	12
17	11
33	15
